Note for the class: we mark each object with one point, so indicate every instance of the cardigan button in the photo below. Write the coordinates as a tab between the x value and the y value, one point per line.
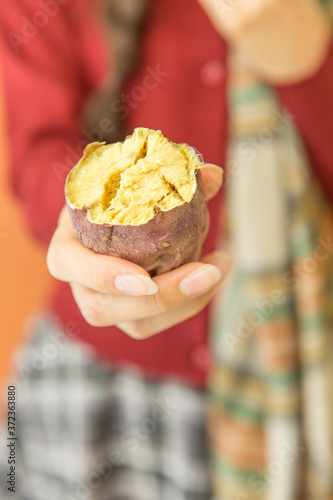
201	357
212	73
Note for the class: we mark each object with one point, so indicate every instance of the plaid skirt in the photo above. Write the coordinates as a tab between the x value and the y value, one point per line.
89	431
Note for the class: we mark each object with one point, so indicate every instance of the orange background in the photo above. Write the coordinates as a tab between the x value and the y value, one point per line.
24	278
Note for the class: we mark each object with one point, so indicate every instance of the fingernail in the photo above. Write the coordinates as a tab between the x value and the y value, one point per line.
135	284
200	280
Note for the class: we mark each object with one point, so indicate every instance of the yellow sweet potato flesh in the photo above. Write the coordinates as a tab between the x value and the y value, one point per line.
129	183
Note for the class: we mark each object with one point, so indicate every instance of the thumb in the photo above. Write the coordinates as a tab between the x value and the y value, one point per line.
212	177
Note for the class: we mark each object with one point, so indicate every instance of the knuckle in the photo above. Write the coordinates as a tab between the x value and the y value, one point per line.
53	262
202	300
100	279
49	260
92	315
93	311
92	320
135	329
159	303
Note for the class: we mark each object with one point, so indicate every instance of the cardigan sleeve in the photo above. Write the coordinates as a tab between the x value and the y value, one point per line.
310	102
44	87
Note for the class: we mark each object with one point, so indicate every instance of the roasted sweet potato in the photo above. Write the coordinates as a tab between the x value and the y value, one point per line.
141	200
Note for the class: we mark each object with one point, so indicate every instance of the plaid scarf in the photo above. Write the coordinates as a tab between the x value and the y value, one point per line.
271	412
271	389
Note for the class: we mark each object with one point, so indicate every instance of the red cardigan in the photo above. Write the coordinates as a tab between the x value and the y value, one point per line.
53	55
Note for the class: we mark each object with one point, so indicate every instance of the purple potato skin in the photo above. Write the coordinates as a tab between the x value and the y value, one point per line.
169	240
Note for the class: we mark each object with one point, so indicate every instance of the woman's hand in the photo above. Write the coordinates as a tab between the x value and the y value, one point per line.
113	291
285	41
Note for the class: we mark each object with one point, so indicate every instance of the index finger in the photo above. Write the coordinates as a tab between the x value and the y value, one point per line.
69	260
